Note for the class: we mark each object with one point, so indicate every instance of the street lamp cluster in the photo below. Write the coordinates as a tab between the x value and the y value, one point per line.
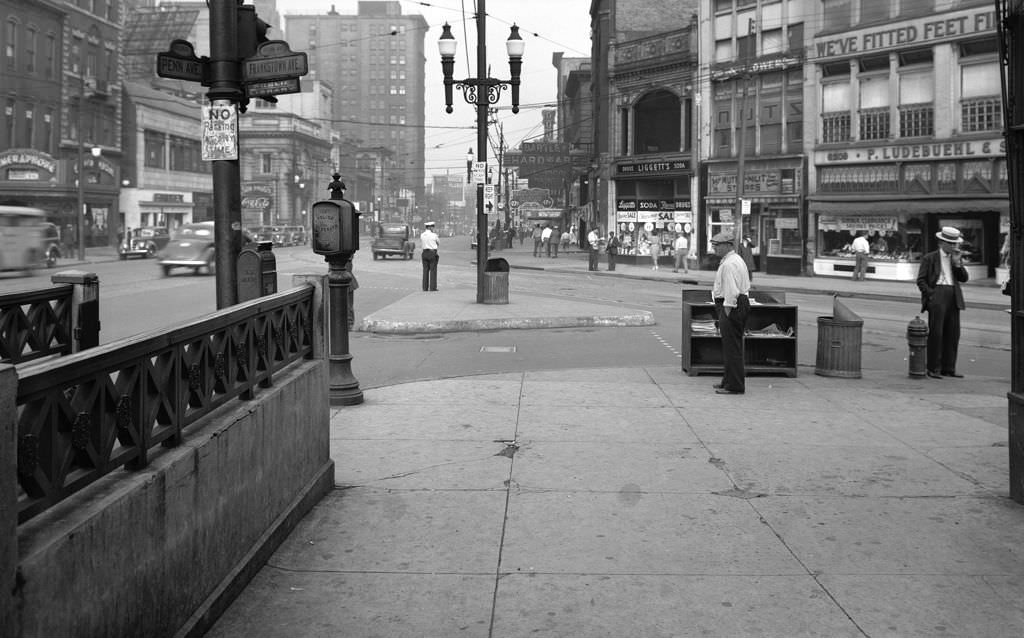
481	91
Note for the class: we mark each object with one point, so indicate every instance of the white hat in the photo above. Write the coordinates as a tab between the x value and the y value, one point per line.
950	234
429	224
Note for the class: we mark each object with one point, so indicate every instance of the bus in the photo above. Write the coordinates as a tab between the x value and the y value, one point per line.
25	239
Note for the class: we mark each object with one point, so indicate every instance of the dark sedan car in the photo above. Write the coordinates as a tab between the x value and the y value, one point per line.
143	242
192	247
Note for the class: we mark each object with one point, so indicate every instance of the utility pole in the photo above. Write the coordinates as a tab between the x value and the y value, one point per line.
226	89
740	169
1010	25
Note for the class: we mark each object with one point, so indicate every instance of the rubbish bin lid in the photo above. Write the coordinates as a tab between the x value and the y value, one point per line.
496	264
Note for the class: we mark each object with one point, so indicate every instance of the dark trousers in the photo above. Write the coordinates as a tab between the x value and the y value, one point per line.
611	261
860	266
595	257
943	330
429	258
554	247
732	327
536	246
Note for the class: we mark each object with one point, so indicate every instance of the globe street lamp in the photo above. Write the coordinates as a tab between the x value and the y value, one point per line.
481	91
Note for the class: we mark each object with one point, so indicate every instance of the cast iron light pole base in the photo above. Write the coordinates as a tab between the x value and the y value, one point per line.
343	386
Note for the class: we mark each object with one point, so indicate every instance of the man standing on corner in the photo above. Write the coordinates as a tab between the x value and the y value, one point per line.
861	250
732	285
594	239
939	278
429	246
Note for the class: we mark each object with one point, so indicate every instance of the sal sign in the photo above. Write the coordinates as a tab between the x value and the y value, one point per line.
220	131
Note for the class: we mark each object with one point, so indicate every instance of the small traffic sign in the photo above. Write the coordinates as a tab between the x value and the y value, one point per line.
489	198
274	60
272	87
479	172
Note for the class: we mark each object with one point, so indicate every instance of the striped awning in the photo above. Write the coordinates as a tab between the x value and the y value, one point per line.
916	206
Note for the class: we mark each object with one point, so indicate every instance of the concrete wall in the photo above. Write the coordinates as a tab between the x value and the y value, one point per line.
152	552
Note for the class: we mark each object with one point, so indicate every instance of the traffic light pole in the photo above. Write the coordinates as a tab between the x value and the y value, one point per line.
226	84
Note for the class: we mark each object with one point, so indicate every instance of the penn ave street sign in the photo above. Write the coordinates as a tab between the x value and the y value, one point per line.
274	60
181	63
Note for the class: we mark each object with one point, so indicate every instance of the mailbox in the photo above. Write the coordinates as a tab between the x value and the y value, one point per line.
257	271
335	223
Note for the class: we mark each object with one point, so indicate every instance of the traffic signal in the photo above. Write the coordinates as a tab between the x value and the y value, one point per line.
252	31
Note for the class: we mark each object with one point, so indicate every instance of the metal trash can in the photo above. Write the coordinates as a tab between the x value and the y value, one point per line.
496	281
839	343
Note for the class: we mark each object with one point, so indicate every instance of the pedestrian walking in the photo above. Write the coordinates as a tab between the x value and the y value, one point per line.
939	278
681	246
545	240
594	241
554	241
537	232
730	294
613	250
565	240
428	255
655	250
861	251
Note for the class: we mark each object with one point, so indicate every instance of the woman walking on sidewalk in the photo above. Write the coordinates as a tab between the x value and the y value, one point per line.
655	250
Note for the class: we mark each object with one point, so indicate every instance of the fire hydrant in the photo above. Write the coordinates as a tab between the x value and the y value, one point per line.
917	340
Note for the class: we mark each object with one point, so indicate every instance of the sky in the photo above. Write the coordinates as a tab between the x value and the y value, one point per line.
547	27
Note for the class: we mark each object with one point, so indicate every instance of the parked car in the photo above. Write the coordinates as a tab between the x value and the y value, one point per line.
51	244
393	239
297	235
274	234
143	242
192	247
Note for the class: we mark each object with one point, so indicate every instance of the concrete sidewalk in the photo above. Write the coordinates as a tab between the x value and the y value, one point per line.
636	502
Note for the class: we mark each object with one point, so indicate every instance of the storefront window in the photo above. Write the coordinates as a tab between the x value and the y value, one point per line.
972	230
892	238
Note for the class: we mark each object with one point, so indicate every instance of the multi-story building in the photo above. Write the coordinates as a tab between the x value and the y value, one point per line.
375	61
905	122
62	112
164	180
752	127
644	70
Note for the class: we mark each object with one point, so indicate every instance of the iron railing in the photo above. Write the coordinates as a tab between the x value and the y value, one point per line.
36	324
82	416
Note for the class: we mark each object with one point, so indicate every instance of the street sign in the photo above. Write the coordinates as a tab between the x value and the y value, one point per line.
180	62
479	172
220	131
744	206
274	60
272	87
488	198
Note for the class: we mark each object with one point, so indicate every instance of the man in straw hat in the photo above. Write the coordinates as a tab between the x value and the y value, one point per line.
939	278
730	290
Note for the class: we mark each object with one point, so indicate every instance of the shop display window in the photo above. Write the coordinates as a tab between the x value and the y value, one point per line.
972	250
893	238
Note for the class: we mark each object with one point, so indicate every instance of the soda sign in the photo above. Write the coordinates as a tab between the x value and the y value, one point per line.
220	131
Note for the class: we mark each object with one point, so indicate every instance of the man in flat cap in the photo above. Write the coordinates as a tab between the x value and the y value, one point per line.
732	285
428	255
939	278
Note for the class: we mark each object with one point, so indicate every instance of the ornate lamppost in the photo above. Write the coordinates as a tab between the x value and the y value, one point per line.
481	91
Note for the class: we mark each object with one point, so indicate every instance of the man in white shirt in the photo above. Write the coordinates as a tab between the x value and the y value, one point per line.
732	285
545	240
429	243
594	239
681	246
861	250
